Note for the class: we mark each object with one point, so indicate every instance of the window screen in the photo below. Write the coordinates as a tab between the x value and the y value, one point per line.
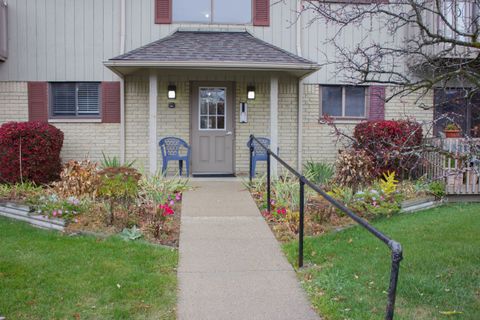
332	101
354	101
72	99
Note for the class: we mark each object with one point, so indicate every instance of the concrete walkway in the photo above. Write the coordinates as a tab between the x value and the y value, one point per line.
231	267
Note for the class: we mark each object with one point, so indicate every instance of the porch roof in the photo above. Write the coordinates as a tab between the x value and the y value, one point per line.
219	50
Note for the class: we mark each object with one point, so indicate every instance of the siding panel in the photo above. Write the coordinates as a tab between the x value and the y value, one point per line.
60	40
79	55
73	37
70	40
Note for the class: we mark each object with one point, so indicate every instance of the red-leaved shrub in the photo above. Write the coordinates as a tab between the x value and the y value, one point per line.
37	144
391	143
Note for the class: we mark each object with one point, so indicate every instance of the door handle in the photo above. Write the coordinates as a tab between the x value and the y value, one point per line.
229	133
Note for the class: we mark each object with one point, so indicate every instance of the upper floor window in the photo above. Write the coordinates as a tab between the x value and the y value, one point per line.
460	106
457	16
75	99
343	101
213	11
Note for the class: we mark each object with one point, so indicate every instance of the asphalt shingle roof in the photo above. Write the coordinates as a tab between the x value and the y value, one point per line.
212	46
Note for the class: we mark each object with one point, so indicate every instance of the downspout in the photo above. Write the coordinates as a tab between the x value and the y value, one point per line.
299	28
122	82
300	91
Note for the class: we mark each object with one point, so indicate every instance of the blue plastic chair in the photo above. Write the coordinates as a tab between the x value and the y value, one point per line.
259	153
171	147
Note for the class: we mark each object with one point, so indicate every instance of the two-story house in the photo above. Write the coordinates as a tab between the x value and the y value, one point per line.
118	75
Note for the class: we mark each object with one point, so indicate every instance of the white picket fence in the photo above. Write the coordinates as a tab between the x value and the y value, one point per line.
454	160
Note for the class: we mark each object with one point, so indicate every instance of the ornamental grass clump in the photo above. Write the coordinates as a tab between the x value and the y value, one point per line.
318	172
160	195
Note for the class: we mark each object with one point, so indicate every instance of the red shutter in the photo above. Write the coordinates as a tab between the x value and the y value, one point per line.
377	103
163	11
38	101
111	102
261	12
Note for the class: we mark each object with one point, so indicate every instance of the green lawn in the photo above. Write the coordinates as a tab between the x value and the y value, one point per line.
45	275
347	272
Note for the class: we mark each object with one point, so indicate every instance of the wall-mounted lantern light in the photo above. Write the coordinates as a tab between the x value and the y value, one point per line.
172	92
250	92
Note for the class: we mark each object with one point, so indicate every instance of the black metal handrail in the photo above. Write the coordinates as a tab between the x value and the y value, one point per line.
395	247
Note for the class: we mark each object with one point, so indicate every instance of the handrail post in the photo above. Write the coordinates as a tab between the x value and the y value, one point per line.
392	289
268	183
300	233
251	159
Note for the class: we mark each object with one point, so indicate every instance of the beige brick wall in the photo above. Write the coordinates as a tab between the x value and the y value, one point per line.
13	101
80	139
176	122
319	142
258	121
136	121
288	120
88	140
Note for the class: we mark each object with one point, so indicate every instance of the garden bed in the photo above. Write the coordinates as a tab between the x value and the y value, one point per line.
107	200
381	197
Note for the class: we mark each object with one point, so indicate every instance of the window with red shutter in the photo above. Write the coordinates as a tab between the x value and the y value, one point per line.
213	11
75	100
343	101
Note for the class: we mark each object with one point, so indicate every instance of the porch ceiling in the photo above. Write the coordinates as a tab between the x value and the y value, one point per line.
211	50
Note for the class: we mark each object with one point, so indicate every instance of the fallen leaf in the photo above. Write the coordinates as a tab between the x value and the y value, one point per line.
450	313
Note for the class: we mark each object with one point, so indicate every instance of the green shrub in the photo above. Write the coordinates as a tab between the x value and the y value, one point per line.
376	200
374	203
437	188
118	185
318	172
